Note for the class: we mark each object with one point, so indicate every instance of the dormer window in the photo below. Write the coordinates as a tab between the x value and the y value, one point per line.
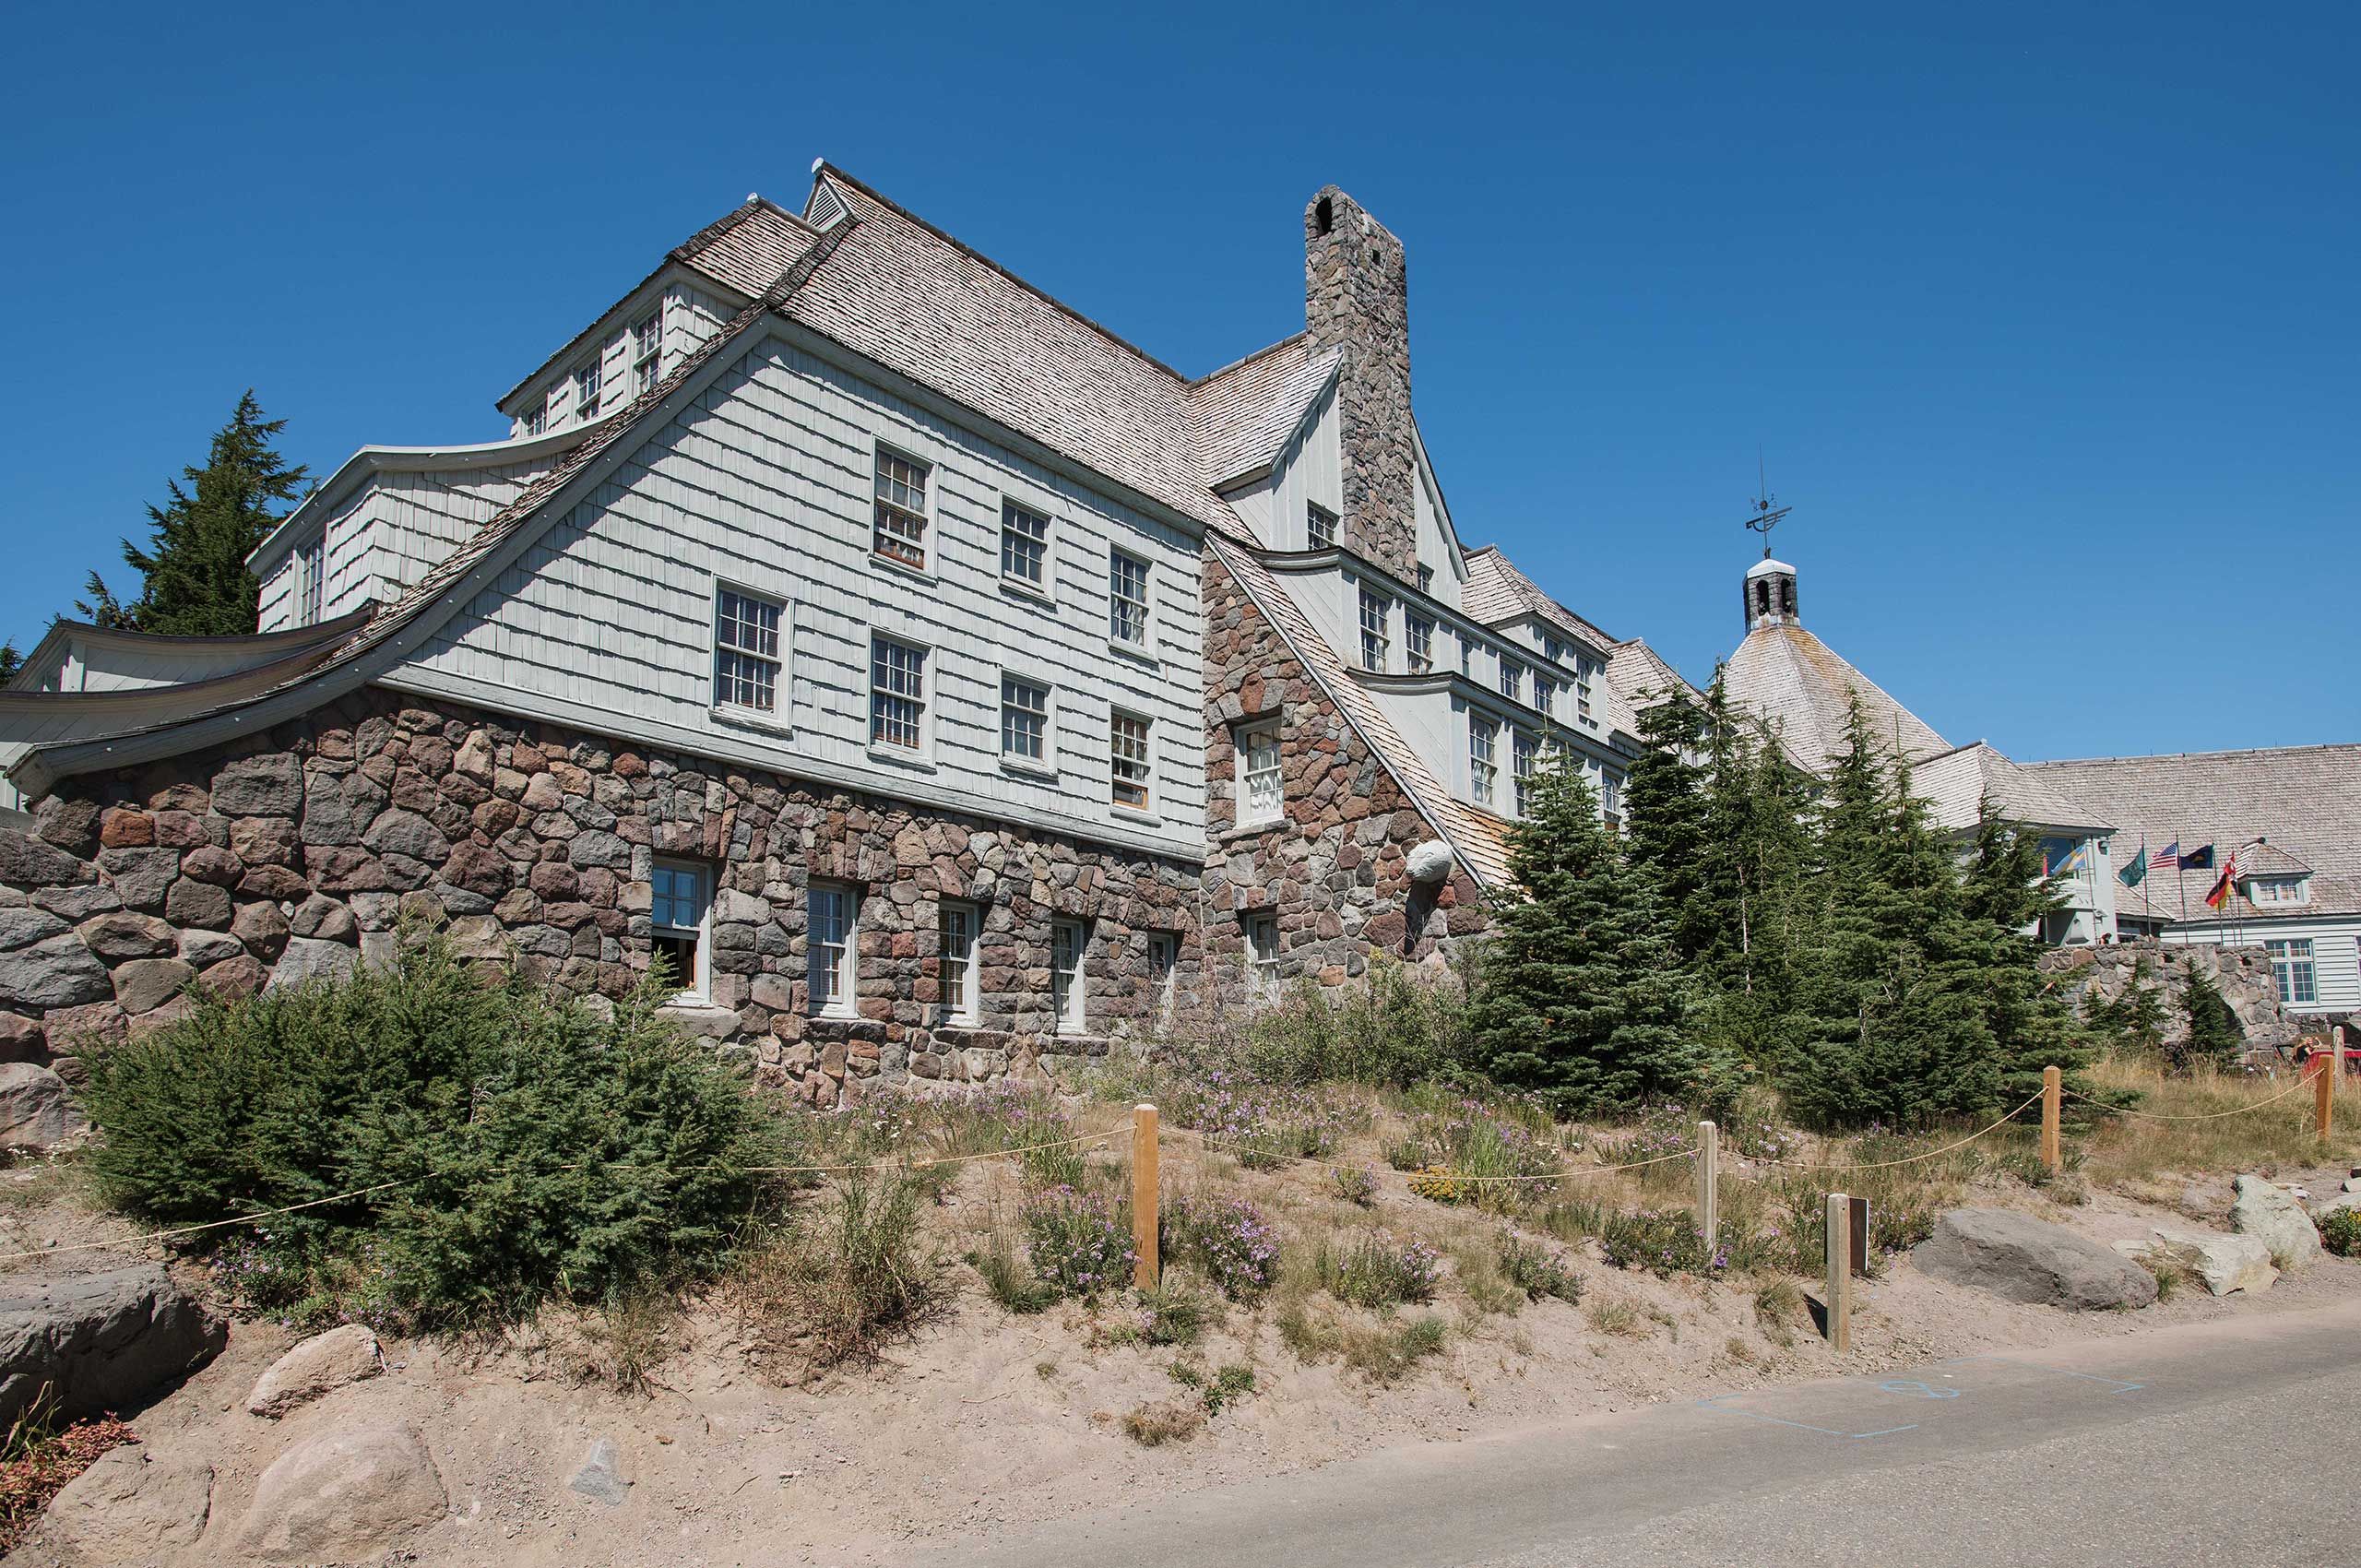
586	392
538	422
1319	527
2280	890
647	352
1377	641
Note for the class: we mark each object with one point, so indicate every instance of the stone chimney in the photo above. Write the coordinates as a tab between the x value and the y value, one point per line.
1356	298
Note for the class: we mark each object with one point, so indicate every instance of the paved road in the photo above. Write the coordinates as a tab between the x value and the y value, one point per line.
2225	1443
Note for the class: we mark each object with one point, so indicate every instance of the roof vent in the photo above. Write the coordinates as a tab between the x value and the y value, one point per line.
827	209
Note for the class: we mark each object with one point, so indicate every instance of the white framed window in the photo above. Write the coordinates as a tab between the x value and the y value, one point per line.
1483	759
1128	759
961	929
1512	679
832	944
1023	545
1127	599
646	350
1466	657
1069	1000
1544	695
1262	795
1426	578
1023	721
2291	965
896	694
538	422
310	580
1610	793
2279	890
1163	973
1521	752
1376	629
1583	670
1319	527
679	927
1418	641
586	392
746	649
1262	958
900	533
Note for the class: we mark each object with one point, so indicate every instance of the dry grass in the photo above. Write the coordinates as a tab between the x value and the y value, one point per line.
839	1284
1617	1318
623	1343
1164	1420
2275	1130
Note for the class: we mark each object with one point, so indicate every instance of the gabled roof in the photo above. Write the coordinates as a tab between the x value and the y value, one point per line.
1497	592
1803	690
1642	678
1244	413
2304	801
1479	840
1955	784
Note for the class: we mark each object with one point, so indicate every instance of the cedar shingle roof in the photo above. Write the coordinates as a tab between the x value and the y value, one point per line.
1955	784
1802	688
2304	800
1496	591
748	247
1242	415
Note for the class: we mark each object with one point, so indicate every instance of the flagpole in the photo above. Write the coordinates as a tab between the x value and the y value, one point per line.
2180	875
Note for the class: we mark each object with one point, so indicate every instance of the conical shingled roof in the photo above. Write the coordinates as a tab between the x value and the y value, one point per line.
1803	689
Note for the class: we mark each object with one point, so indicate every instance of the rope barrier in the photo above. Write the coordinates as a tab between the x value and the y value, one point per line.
2201	1116
209	1225
1908	1160
1560	1175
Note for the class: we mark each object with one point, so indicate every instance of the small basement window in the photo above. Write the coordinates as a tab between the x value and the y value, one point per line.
679	897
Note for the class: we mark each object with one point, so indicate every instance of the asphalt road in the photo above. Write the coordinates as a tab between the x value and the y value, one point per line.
2234	1443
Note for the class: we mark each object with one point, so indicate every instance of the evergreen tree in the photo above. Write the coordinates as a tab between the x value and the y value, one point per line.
1666	831
2007	891
194	581
10	661
2136	1017
2215	1036
1582	998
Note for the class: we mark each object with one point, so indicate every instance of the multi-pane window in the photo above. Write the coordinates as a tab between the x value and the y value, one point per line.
896	694
538	422
1426	578
1377	619
1263	959
2291	962
1583	670
1127	757
311	581
2277	890
959	924
1610	793
831	944
1544	694
1520	767
1466	658
679	893
901	508
1318	526
1126	598
1512	679
1068	942
1024	719
745	650
1023	545
1483	764
587	390
647	352
1258	760
1419	642
1163	971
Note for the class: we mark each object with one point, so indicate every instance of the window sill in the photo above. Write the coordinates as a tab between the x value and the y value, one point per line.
1138	653
836	1015
1018	587
749	719
1253	829
1046	772
900	568
897	756
1143	816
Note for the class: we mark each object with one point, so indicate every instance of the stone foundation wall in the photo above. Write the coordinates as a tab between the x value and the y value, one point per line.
299	852
2091	976
1334	871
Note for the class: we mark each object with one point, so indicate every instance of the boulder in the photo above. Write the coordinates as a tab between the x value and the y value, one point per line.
203	949
323	917
600	1478
2024	1259
101	1341
193	903
34	1112
308	957
78	902
130	1505
262	928
2222	1263
400	832
2277	1217
141	876
341	1495
59	972
319	1364
27	861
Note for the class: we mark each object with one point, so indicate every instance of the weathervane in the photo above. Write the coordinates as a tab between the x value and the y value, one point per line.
1766	515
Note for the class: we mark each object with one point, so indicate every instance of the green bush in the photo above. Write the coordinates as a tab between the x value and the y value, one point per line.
509	1143
1377	1271
1393	1029
2340	1232
1539	1272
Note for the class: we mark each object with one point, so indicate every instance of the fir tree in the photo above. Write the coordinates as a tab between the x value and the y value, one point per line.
2214	1037
2136	1016
194	581
1666	824
2008	892
10	661
1582	998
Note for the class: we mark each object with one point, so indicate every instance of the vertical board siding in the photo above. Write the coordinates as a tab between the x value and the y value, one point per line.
765	483
1310	468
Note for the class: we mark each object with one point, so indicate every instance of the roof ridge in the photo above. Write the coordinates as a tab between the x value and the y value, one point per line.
2193	756
731	219
890	205
1242	364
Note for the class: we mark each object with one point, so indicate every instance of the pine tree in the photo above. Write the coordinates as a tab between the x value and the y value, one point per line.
1582	998
2215	1036
1666	824
2137	1016
2007	891
194	581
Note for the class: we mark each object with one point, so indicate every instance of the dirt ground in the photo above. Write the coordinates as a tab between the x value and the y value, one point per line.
982	1419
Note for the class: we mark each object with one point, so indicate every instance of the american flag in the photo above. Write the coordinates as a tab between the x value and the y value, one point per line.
2168	858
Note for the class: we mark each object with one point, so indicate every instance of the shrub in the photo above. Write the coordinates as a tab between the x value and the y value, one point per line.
520	1144
1355	1184
1393	1029
1007	1278
1377	1271
1227	1240
37	1457
2340	1232
834	1288
1539	1272
1164	1420
1077	1242
1172	1314
1264	1125
1499	1152
1664	1241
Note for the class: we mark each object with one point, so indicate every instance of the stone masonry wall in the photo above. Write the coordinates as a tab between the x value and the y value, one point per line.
1356	298
2094	975
1334	871
298	852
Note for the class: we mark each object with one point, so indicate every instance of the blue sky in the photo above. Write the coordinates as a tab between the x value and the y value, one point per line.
2044	320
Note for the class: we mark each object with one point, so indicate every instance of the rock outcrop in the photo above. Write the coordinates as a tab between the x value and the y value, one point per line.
2024	1259
343	1494
99	1341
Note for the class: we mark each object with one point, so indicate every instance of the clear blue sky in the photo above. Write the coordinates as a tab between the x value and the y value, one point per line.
2045	319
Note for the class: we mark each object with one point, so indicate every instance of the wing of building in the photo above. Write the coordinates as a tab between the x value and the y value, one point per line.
937	683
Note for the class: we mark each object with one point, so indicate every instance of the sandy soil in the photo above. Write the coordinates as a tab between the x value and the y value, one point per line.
983	1419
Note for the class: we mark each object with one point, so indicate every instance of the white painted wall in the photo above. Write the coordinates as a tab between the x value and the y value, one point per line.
2336	951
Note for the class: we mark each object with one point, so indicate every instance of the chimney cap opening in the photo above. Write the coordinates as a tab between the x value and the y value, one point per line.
1323	215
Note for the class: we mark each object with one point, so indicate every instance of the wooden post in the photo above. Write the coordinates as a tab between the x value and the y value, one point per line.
2052	1097
1709	1183
1839	1300
2325	1069
1145	1271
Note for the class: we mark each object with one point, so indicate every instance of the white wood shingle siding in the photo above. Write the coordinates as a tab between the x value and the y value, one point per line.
766	484
2336	952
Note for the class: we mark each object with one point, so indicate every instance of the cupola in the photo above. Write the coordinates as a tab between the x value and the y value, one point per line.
1771	595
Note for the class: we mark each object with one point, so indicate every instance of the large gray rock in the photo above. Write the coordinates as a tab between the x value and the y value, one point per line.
323	1363
27	861
308	957
2223	1263
131	1505
60	972
101	1341
127	934
24	925
145	984
400	832
342	1494
2277	1217
2024	1259
34	1109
